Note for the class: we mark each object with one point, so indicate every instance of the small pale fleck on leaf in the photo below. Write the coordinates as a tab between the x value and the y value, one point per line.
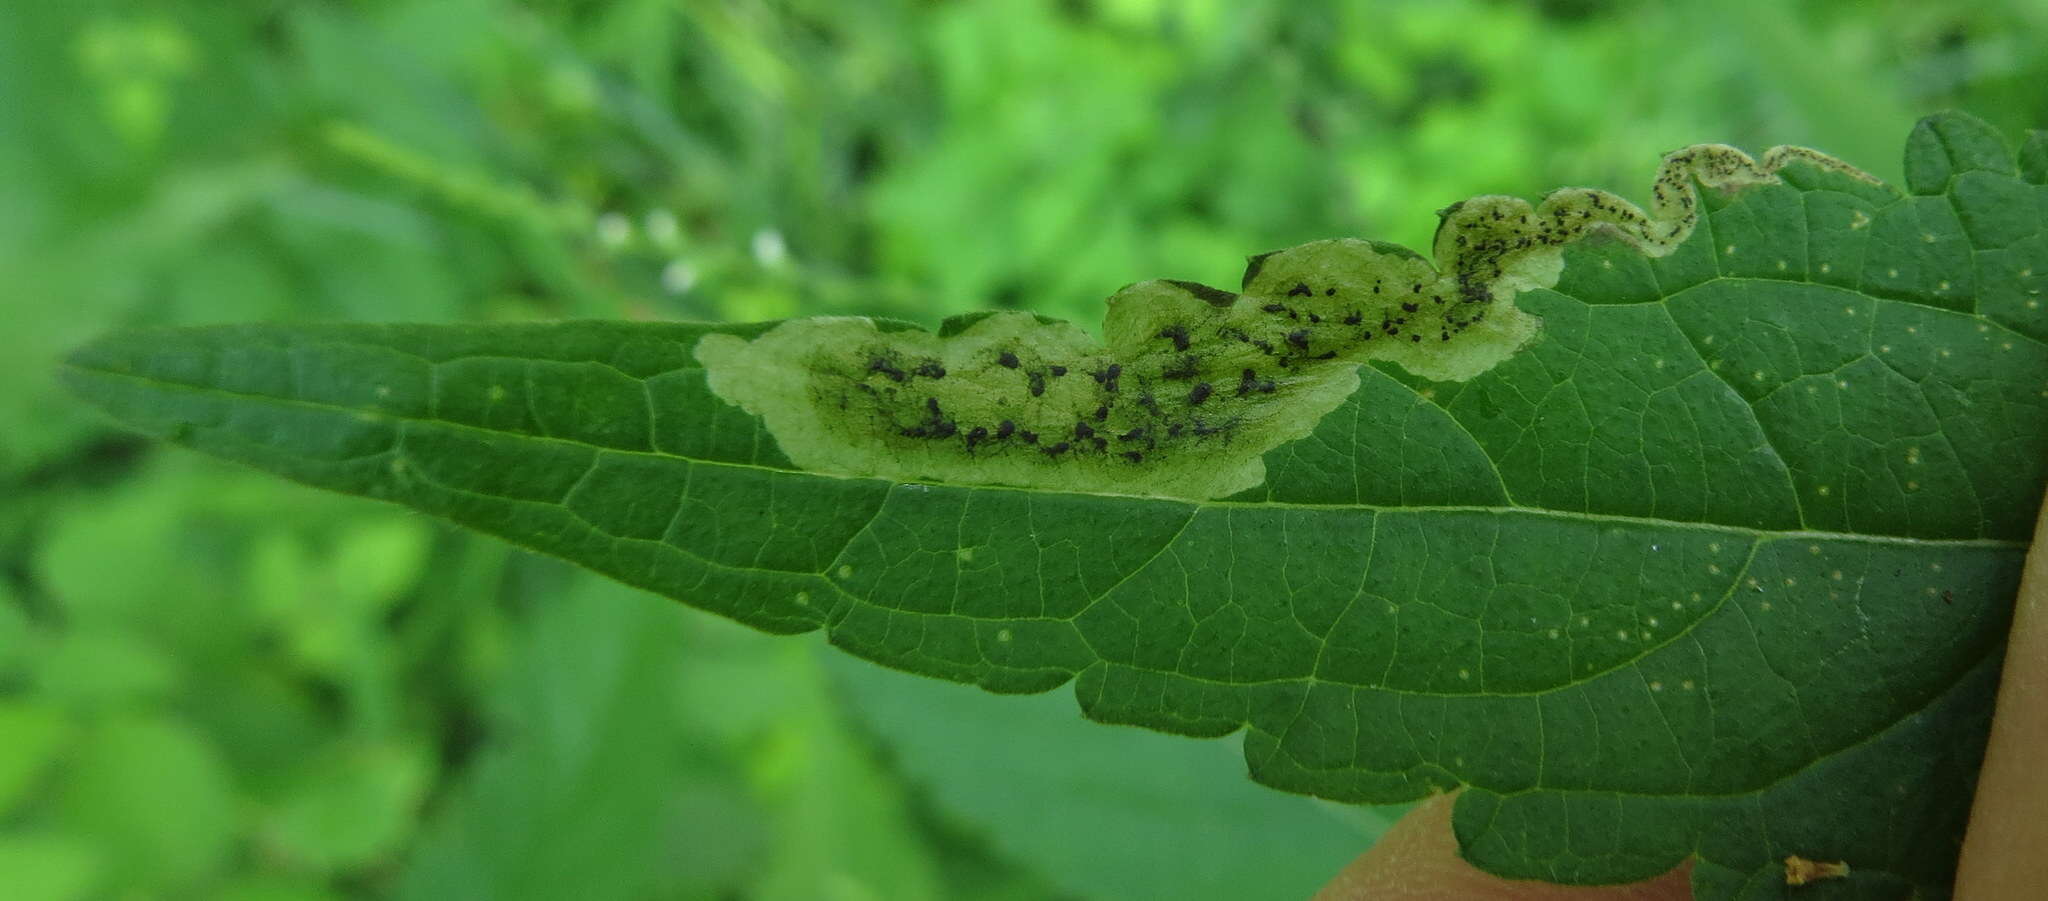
1800	871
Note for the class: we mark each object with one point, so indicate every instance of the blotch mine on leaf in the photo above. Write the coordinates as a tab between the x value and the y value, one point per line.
811	381
1211	380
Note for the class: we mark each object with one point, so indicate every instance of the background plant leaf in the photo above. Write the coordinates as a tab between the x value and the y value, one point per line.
1103	813
1720	567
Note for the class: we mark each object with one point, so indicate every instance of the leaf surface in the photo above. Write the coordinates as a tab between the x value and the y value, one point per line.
1719	565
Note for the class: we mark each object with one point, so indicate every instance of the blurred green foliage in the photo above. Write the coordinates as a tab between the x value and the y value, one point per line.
215	685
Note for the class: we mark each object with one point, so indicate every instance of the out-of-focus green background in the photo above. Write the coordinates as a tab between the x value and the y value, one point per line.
218	685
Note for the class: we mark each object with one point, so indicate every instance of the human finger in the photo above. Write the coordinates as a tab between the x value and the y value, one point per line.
1417	860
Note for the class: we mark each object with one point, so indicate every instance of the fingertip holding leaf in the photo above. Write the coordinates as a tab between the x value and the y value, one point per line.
1418	860
1192	385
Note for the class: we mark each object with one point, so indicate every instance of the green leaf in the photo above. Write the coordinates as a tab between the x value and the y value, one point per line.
352	809
45	867
1717	562
275	888
17	636
106	668
153	795
574	796
607	781
1113	813
35	734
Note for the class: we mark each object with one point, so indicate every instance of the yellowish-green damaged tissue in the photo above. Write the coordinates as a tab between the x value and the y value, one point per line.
1192	385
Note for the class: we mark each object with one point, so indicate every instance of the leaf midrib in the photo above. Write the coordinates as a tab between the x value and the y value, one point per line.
1564	515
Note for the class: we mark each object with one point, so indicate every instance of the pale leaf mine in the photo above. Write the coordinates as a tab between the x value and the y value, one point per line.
1191	385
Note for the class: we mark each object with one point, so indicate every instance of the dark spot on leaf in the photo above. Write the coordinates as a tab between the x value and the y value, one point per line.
1213	296
1107	377
1179	334
883	366
1252	265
